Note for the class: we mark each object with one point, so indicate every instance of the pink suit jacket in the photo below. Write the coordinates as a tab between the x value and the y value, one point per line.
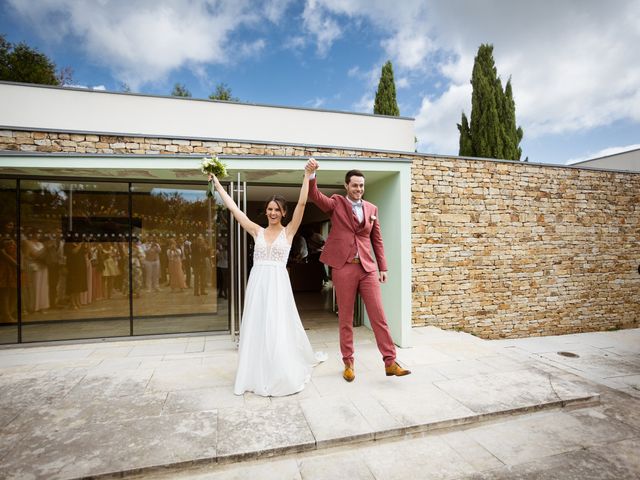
346	233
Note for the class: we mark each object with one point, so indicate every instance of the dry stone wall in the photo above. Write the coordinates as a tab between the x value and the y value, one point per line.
499	249
504	249
52	142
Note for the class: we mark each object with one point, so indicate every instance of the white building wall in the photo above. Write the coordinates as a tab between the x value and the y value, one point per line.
629	161
77	110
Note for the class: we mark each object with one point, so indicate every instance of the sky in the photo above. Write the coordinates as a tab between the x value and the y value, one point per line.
574	65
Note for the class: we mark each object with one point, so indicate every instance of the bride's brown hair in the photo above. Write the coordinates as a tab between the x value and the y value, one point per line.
280	200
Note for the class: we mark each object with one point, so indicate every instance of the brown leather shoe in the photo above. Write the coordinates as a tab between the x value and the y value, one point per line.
349	373
397	370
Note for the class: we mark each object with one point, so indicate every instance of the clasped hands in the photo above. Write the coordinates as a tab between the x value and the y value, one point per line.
311	166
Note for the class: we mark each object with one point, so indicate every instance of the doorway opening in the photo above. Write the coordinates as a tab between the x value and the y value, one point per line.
310	279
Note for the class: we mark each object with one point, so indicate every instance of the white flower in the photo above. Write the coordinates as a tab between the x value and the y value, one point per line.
213	165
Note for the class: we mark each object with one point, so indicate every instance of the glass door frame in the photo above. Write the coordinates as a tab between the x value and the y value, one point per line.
238	262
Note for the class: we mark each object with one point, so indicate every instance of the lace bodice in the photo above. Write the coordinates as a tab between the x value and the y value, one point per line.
278	251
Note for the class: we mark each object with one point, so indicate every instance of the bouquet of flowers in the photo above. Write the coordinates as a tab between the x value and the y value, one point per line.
213	166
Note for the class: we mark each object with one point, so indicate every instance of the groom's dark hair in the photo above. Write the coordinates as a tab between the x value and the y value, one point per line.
352	173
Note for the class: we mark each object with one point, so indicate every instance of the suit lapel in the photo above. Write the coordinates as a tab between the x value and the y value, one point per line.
365	213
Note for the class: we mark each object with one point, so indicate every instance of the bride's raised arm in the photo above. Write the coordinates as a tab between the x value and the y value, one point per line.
296	219
239	215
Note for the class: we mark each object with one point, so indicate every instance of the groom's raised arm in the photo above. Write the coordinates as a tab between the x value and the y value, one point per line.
324	203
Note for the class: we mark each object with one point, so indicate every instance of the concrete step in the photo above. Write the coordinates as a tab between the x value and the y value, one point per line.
361	439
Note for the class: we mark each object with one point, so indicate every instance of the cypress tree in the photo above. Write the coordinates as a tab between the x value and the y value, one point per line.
492	131
386	103
466	149
512	133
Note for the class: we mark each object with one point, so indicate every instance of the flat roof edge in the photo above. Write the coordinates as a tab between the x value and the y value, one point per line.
171	97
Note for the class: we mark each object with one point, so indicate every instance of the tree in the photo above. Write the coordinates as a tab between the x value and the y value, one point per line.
386	103
223	92
65	76
21	63
466	149
512	134
179	90
492	131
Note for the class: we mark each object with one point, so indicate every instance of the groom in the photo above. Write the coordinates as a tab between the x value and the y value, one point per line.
354	230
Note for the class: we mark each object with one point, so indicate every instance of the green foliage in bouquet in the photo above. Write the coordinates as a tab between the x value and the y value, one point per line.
213	166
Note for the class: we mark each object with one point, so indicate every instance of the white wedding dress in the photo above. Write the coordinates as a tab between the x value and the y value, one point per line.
275	356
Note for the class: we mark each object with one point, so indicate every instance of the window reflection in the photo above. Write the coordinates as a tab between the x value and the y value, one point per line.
89	267
178	232
74	259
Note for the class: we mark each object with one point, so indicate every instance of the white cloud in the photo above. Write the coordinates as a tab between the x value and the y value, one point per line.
316	102
408	49
295	43
144	41
565	79
354	71
87	87
274	9
369	77
407	38
436	121
575	65
365	103
403	82
325	29
253	48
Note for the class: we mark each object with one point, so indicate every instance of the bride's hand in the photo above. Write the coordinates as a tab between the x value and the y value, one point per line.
311	166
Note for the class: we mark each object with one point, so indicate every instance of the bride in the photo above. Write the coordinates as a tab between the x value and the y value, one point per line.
275	356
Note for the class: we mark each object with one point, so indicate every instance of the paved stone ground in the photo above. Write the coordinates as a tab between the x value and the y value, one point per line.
594	442
471	409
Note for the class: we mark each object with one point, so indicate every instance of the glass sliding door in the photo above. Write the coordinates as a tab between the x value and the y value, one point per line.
91	259
74	260
179	260
8	262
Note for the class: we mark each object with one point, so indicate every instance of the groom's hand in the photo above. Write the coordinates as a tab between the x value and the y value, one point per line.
383	277
312	165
